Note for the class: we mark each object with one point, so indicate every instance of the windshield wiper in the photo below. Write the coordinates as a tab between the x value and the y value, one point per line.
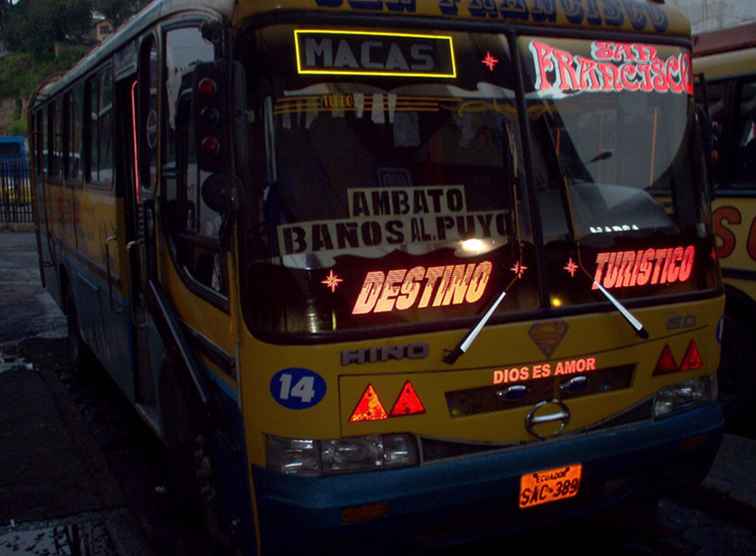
467	340
603	155
634	323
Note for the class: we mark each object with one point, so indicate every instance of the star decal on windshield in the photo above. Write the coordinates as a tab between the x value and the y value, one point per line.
571	267
519	269
332	281
490	61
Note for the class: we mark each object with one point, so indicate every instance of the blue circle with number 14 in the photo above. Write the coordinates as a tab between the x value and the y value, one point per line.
297	388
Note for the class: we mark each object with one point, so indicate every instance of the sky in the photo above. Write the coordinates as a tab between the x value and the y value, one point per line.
709	15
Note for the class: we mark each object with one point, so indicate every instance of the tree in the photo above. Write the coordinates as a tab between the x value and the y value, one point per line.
118	11
36	25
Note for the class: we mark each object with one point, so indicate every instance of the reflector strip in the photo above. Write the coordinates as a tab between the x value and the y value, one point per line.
408	402
666	363
369	408
692	359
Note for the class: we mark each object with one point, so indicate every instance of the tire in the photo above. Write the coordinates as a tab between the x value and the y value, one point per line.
78	351
737	372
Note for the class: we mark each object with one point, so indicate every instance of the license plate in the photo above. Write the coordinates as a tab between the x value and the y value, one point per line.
550	485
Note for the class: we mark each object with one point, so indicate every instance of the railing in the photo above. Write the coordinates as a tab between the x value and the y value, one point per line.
15	192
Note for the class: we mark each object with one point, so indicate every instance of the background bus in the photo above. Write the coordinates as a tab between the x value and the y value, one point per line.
383	265
14	151
727	60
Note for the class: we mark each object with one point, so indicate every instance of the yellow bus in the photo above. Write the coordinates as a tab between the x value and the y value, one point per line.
402	265
727	61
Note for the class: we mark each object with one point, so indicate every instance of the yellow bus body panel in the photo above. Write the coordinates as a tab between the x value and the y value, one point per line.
612	342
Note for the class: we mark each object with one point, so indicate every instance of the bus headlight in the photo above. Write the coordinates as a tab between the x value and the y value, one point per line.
293	456
685	394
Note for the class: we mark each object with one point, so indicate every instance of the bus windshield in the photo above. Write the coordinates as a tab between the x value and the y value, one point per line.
389	178
617	168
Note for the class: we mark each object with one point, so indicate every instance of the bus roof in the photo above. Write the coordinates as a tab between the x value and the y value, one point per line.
149	15
644	17
725	53
725	40
634	16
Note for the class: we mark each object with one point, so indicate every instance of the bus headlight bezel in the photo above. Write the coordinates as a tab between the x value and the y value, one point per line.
684	395
307	457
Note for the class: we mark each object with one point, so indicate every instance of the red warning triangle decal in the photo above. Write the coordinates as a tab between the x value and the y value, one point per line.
408	402
369	408
666	363
692	359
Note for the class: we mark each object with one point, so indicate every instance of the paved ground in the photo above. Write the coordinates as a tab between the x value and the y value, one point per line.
25	308
81	475
57	494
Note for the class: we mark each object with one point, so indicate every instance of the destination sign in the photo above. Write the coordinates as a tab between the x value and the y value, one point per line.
340	52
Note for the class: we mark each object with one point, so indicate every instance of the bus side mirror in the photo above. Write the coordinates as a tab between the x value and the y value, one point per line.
705	135
213	193
208	100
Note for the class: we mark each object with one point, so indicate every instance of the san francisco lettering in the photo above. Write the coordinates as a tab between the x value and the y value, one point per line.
421	287
612	67
623	269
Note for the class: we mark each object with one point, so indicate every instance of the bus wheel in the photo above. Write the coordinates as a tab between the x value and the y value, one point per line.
737	380
190	469
76	347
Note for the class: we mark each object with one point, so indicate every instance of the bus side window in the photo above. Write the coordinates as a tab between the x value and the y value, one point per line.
149	120
92	113
50	143
65	115
193	227
42	142
75	152
105	131
60	133
745	164
98	132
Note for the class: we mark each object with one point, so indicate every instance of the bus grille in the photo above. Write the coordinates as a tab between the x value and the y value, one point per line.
488	399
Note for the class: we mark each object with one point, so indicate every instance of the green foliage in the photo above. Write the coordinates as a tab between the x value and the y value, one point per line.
36	25
118	11
18	126
21	73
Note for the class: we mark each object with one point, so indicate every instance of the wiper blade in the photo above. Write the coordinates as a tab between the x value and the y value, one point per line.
467	340
636	325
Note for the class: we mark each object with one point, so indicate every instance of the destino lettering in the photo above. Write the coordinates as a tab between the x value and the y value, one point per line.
421	287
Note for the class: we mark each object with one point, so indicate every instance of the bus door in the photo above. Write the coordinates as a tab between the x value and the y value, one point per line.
140	119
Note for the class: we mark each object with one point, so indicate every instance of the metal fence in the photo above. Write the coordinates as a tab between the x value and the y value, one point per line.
15	192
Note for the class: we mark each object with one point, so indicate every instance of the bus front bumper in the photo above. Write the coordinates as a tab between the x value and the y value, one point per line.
469	497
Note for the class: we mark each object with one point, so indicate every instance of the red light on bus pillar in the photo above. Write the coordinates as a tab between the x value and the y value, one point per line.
211	145
692	359
207	87
408	402
369	408
666	363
